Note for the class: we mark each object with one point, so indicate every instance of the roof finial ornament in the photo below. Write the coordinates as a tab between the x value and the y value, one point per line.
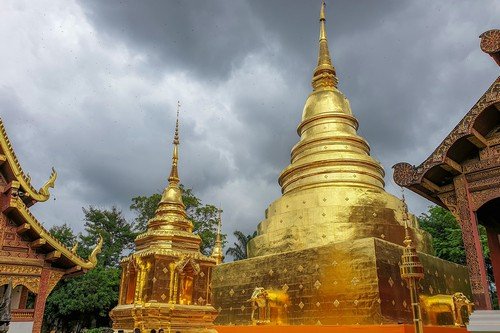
324	74
174	174
406	219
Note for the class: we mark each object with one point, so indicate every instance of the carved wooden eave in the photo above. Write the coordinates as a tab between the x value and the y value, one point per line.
474	139
12	168
40	239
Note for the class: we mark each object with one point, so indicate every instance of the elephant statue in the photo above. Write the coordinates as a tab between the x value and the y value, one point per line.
270	306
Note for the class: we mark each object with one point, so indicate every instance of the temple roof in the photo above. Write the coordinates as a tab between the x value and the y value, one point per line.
478	129
15	171
19	194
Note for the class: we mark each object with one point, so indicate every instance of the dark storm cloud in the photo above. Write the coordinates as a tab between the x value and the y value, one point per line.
207	37
91	88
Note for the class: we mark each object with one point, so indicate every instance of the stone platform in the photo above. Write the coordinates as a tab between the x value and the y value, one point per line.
348	283
484	321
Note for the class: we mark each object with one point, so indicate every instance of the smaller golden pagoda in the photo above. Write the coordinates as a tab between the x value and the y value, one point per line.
217	252
165	282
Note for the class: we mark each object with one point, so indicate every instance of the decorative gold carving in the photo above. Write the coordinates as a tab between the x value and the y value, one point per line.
44	190
19	270
54	278
473	250
30	282
23	178
457	305
406	174
93	255
490	41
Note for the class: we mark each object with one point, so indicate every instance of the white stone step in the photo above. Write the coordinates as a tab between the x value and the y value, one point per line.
485	321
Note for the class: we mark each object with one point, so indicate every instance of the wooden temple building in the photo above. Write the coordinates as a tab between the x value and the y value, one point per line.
31	260
463	176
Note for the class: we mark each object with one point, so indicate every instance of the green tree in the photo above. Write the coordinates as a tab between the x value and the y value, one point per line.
204	217
117	233
239	250
64	234
83	301
86	300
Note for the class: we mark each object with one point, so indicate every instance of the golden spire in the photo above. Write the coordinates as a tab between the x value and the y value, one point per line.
174	174
406	218
170	228
217	253
324	74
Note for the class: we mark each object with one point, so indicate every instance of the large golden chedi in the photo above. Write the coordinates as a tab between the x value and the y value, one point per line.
165	282
331	243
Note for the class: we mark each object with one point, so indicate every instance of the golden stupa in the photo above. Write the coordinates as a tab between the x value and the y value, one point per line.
328	250
165	283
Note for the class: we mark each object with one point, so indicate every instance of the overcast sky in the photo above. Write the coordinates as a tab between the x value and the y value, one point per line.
91	88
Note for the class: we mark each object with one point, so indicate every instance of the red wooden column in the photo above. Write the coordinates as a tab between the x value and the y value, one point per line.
472	244
40	300
494	246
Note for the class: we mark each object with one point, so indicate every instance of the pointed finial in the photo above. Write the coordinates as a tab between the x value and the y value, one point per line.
322	11
176	135
219	223
406	218
174	174
324	74
217	252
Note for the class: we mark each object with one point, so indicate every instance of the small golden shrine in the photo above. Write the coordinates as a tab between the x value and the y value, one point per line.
165	283
328	250
30	258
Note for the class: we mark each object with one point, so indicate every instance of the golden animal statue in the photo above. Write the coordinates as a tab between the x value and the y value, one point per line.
271	306
440	309
44	190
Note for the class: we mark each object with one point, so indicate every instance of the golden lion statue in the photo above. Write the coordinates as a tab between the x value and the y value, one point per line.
440	307
271	306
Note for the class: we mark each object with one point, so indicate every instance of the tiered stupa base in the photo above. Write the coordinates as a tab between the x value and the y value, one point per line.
170	317
348	283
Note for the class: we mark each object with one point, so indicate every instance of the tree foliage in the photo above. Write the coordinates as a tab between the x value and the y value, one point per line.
64	234
447	235
83	301
118	234
86	300
239	250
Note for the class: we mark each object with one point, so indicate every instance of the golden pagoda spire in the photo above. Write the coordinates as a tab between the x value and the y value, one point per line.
324	74
174	174
217	252
170	228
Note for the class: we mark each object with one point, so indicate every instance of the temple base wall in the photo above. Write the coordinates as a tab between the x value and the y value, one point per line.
170	317
348	283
